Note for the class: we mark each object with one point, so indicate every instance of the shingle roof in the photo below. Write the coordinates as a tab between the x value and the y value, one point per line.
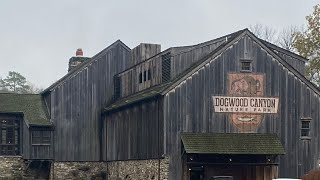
145	94
31	105
232	143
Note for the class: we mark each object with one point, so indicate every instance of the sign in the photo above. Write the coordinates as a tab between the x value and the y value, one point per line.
259	105
245	102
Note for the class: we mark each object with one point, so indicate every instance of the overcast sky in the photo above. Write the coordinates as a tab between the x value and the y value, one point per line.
37	37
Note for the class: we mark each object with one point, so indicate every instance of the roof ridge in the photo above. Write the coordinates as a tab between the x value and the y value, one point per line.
203	60
216	51
81	66
285	63
287	52
13	93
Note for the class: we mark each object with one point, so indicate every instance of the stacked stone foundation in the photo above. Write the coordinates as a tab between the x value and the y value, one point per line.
11	167
116	170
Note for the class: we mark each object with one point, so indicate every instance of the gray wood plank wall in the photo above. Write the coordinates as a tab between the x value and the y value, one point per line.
76	105
189	108
144	51
130	78
25	136
41	151
134	132
183	58
294	62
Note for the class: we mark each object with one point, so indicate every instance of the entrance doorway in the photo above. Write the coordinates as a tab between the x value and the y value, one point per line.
197	173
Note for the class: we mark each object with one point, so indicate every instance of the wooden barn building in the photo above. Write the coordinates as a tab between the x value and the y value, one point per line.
233	107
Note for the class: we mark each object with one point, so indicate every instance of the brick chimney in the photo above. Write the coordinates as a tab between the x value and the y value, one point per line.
77	60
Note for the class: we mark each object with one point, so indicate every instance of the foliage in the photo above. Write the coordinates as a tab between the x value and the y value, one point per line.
283	38
307	44
17	83
264	32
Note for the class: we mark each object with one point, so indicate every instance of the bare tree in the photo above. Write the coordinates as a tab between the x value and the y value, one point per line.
286	38
264	32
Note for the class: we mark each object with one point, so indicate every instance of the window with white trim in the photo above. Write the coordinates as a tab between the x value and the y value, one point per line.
305	126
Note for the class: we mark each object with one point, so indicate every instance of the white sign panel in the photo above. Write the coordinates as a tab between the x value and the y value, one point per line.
258	105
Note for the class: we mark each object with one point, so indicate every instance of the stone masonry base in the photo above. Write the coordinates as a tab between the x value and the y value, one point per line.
133	169
11	167
14	167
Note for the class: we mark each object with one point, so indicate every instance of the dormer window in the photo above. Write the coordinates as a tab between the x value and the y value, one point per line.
245	65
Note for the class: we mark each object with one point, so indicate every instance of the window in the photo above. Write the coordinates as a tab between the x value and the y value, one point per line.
245	65
145	75
9	136
41	138
149	74
305	127
140	78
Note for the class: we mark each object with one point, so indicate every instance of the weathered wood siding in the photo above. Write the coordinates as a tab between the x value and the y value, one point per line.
41	150
188	108
25	137
134	132
76	104
294	62
129	79
143	52
182	58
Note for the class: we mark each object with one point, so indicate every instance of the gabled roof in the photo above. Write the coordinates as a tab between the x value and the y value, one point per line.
83	65
232	38
158	89
232	143
31	105
284	51
216	53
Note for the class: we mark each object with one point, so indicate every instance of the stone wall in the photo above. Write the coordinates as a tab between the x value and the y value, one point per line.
78	170
133	169
14	167
139	169
11	167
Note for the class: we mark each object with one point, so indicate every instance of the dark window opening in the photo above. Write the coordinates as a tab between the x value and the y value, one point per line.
9	136
246	65
305	128
149	74
41	137
145	75
140	78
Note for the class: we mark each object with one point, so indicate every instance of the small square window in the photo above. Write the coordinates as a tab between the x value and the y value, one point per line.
246	65
305	127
